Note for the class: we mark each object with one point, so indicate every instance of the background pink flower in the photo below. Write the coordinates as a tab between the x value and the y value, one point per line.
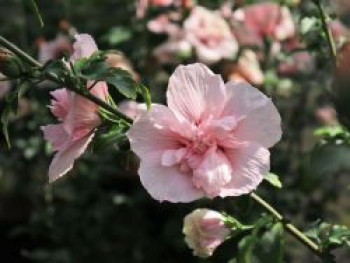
247	68
131	108
211	140
78	117
204	231
210	34
54	49
267	20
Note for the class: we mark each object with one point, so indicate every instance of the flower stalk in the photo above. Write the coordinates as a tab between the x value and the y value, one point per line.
287	225
84	93
326	29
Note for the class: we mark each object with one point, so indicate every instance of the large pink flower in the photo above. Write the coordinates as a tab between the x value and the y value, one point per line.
210	34
78	117
211	140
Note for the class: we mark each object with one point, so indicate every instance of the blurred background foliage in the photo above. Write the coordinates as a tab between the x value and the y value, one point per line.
100	212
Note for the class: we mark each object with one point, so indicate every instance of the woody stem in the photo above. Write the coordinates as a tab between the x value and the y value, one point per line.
287	225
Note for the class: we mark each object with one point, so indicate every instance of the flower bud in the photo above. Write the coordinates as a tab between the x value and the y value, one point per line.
10	65
341	85
204	231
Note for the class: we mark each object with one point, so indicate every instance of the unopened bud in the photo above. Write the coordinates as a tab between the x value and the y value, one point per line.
10	65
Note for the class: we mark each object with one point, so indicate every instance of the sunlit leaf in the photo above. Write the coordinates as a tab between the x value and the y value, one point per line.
273	179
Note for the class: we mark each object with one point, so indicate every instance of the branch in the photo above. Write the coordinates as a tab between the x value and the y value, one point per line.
84	93
326	29
288	226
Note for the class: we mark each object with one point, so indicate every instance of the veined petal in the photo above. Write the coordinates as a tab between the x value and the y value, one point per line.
167	183
82	116
250	163
195	93
172	157
260	121
60	104
56	135
155	132
213	173
64	159
83	46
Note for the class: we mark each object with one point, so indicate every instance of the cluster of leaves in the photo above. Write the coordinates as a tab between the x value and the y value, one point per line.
265	243
329	237
94	69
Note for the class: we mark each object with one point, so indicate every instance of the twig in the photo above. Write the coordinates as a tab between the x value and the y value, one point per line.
288	226
330	40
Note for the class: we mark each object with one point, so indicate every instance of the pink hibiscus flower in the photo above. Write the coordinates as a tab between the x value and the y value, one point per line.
54	49
211	140
78	117
210	34
267	20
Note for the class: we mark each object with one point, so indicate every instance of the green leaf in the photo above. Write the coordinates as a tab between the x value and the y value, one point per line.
264	244
115	135
274	180
329	236
308	24
95	68
123	82
57	67
117	35
245	252
145	94
332	132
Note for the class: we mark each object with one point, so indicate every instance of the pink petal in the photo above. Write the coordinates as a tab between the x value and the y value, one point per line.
260	121
195	93
56	135
172	157
82	116
213	173
155	132
250	163
100	90
83	46
167	183
64	159
60	103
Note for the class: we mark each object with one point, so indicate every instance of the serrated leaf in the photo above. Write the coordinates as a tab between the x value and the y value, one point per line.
274	180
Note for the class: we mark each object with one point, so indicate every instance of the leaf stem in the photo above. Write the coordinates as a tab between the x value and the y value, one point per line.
84	93
288	226
326	29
